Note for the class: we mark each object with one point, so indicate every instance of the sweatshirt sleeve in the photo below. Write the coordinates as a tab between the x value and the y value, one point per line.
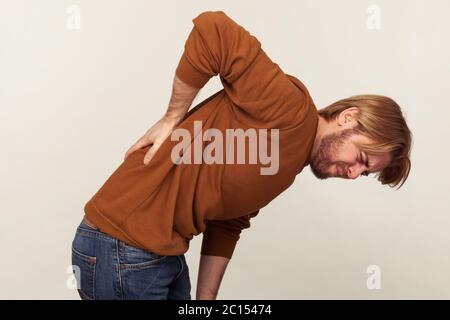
216	45
253	82
220	236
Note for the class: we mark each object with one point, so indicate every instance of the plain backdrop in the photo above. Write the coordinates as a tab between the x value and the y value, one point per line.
72	101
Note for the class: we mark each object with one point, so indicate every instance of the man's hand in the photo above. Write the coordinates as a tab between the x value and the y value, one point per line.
155	136
180	101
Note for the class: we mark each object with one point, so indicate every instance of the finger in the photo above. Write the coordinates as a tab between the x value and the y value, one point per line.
139	144
129	151
150	153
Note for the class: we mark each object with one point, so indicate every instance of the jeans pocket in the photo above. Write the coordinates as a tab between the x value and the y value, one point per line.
135	258
84	270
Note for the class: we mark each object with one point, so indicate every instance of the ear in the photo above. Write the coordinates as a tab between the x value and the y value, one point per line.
349	117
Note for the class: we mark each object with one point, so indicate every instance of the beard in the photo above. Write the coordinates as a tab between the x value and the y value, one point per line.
329	145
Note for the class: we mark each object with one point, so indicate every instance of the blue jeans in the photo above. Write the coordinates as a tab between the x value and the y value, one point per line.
107	268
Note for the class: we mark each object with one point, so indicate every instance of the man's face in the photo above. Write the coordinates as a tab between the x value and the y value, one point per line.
339	156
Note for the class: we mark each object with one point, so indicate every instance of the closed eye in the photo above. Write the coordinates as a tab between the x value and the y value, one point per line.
365	173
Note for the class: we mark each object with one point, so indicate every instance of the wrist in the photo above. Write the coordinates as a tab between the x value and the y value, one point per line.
206	295
174	117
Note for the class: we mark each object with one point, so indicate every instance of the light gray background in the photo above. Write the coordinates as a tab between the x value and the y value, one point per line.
73	102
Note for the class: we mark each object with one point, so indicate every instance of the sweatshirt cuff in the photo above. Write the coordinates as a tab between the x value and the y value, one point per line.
189	75
217	244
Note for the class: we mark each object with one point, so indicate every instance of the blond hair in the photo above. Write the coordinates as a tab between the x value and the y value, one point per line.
380	119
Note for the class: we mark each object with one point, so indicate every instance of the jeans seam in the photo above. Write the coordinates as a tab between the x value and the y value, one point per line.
86	259
143	265
118	273
83	295
182	268
154	279
94	234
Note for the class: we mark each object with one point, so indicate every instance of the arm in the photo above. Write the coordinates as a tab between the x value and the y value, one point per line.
218	244
216	45
256	86
196	66
210	274
180	101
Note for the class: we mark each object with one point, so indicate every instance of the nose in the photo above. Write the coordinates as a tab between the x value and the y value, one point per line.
355	171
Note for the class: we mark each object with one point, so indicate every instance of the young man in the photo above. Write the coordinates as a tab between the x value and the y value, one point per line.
138	225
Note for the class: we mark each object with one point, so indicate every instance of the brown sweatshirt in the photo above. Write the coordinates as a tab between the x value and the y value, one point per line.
161	206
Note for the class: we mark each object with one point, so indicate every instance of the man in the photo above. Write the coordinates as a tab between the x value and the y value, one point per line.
138	225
